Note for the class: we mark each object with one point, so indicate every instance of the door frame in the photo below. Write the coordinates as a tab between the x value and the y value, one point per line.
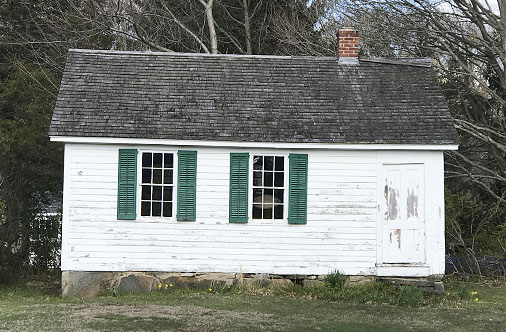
395	158
434	213
419	255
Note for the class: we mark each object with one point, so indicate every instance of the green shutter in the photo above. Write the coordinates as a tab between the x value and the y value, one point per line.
186	185
297	195
127	183
238	202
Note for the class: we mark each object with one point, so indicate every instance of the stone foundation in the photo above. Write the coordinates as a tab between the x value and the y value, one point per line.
91	284
432	284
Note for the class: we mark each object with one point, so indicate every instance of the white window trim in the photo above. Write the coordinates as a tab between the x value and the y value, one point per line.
285	192
139	187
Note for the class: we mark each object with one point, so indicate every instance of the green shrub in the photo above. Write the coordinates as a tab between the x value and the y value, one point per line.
336	280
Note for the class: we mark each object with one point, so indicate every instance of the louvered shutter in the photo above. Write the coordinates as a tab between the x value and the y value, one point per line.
186	185
297	195
238	202
127	183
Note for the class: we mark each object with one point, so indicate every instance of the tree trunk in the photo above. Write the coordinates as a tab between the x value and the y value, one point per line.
210	23
502	33
247	28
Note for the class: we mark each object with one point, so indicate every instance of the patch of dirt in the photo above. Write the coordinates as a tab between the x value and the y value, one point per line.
198	318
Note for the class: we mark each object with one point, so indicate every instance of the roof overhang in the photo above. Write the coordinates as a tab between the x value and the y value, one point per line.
266	145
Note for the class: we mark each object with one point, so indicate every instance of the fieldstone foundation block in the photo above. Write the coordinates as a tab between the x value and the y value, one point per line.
131	284
84	284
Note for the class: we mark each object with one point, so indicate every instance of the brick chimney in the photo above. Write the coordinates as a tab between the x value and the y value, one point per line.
348	46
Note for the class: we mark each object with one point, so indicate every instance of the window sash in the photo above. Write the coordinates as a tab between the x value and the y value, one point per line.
163	169
140	184
253	186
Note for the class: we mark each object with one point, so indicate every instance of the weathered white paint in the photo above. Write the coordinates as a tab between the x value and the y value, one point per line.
342	231
432	260
254	145
403	211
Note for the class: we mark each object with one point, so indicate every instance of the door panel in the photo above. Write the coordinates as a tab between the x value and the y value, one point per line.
402	208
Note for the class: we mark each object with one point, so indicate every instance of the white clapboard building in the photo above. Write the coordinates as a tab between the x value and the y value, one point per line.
254	164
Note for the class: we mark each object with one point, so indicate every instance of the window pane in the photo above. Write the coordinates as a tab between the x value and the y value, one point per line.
157	193
278	196
278	211
167	194
168	160
279	179
257	162
167	176
268	180
257	211
257	178
267	211
157	160
146	175
280	164
268	163
146	193
157	176
267	195
146	160
145	208
257	195
157	209
167	209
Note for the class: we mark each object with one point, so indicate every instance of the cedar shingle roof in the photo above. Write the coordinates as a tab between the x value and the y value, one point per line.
250	98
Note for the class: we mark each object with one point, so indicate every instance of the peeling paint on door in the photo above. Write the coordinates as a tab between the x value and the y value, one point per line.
391	200
397	239
398	234
412	203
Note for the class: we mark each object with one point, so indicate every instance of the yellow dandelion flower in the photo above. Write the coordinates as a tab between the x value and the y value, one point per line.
166	286
474	293
210	289
159	286
475	299
171	285
448	293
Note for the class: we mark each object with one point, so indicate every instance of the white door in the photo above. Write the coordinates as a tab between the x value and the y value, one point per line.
403	215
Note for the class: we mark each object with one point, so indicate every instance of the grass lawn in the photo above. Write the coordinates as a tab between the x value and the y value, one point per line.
34	306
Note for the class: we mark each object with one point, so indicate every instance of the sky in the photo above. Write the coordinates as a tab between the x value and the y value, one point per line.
492	3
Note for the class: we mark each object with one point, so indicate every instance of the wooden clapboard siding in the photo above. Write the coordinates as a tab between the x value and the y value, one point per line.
340	233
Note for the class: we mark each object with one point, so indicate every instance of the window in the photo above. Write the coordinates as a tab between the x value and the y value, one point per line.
268	187
151	186
157	184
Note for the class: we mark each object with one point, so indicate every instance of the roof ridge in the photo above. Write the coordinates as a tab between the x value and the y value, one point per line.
405	61
417	62
143	53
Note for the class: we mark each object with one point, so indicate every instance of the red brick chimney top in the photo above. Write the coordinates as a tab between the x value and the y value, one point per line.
348	45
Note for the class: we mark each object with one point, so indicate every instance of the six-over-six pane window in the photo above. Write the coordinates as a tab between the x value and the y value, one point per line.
157	184
268	187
